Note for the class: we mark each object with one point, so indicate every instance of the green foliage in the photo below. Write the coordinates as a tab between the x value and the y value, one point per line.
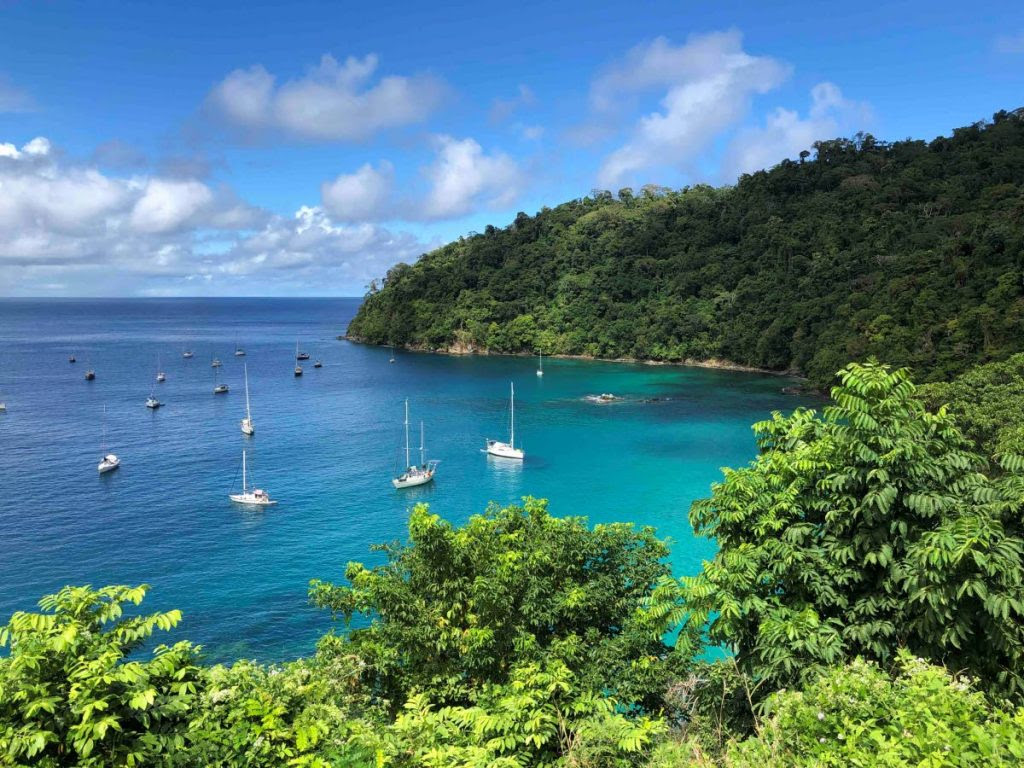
866	529
988	403
858	715
910	252
306	713
68	696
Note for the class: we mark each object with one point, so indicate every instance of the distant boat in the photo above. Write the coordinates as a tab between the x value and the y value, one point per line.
540	363
507	450
414	475
3	407
318	364
256	497
239	352
300	355
160	377
152	402
187	354
298	370
218	388
392	354
109	461
247	425
72	359
216	363
90	375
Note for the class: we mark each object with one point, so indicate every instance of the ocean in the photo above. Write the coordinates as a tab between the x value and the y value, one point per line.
326	446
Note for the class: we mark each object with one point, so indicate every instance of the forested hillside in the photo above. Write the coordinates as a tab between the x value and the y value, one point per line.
911	251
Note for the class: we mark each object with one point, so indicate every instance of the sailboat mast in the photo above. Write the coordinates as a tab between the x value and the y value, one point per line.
407	432
423	455
512	413
247	414
244	487
103	445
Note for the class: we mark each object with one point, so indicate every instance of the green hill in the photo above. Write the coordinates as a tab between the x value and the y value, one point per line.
910	251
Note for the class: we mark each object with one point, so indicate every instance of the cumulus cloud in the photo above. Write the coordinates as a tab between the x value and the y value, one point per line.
785	133
14	99
365	195
70	228
332	102
707	85
463	177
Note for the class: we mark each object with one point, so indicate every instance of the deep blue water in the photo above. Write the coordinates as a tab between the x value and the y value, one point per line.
326	446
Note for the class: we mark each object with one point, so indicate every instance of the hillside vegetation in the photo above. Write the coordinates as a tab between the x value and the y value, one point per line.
911	251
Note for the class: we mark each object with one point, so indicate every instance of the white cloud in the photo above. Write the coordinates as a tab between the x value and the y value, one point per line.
168	205
14	99
707	83
785	133
365	195
1010	43
463	177
69	228
332	102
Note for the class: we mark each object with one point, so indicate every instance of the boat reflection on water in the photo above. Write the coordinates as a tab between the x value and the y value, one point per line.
507	473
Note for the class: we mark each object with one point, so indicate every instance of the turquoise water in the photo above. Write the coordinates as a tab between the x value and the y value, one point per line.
326	446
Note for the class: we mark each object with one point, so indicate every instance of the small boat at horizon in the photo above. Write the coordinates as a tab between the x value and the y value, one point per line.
540	363
300	355
153	403
415	475
90	375
507	450
160	377
216	363
318	364
239	352
247	425
256	497
72	359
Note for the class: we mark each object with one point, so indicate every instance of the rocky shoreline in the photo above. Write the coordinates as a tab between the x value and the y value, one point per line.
459	349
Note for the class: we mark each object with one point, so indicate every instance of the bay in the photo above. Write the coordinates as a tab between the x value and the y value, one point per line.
326	446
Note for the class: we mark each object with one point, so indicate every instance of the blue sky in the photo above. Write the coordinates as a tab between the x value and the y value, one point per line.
300	149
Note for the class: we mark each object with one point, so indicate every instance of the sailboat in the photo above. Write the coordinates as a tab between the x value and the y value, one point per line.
160	377
239	352
90	374
152	402
218	388
300	355
392	354
247	426
540	363
256	497
216	363
507	450
415	475
72	359
109	461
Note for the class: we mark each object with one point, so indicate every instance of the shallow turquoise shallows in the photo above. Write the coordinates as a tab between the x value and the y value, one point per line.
326	446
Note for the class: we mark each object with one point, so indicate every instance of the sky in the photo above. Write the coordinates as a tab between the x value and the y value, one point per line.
303	148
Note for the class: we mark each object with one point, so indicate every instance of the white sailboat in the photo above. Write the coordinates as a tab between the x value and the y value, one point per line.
299	356
218	388
152	402
160	377
415	475
247	425
507	450
109	461
392	354
256	497
540	363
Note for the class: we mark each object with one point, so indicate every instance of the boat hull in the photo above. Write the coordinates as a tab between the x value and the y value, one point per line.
250	500
108	466
504	450
412	482
247	427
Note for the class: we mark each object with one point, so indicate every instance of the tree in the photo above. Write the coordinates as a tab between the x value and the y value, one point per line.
457	609
866	529
70	696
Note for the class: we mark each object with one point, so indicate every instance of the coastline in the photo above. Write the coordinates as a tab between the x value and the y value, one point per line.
715	363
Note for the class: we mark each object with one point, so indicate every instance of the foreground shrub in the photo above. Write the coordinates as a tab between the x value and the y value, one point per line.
869	528
69	696
859	715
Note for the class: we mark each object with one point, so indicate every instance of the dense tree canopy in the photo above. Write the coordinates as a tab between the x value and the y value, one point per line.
912	252
870	528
